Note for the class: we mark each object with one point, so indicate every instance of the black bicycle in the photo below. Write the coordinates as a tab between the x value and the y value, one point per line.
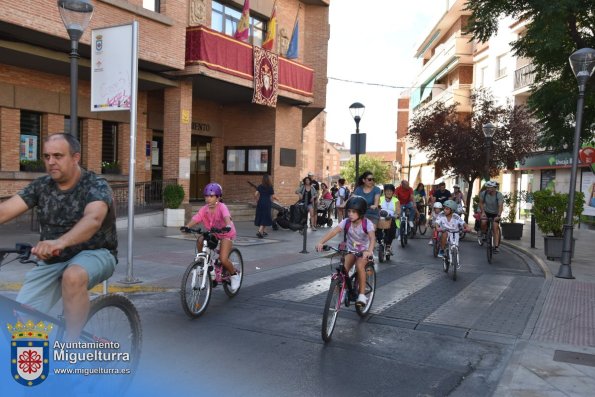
489	239
405	230
344	289
421	223
113	320
384	224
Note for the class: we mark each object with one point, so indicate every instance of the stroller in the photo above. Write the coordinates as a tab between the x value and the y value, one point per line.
325	211
293	218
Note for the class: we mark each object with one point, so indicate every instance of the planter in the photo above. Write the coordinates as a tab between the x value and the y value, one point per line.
512	231
174	218
553	247
110	170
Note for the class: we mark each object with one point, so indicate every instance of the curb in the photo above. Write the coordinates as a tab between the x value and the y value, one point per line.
542	265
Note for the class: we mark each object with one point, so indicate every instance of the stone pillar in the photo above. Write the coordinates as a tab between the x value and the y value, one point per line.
92	144
10	139
176	134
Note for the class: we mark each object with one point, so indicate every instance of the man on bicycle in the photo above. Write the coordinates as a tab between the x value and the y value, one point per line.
407	199
78	242
491	205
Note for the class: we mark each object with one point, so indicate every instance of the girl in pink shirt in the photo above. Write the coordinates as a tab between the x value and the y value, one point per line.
216	214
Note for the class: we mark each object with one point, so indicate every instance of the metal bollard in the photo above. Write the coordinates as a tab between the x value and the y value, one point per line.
305	236
532	230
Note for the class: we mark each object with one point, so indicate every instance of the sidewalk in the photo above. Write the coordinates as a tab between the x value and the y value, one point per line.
556	354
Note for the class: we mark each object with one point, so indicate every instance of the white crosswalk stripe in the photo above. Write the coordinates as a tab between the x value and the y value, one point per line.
303	291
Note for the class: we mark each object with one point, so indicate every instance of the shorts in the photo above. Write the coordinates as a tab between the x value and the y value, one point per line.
492	216
42	287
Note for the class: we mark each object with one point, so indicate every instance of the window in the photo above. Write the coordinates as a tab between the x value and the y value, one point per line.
152	5
225	19
483	72
501	66
30	136
248	160
109	142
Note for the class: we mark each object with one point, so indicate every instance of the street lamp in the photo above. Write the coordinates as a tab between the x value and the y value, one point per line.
76	15
357	111
582	63
410	153
488	132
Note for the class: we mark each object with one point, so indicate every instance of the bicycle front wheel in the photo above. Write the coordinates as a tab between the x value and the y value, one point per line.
381	253
238	263
403	235
331	309
194	299
114	318
489	249
370	290
422	227
454	261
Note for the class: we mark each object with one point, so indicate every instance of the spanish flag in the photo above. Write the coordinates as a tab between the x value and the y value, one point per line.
269	41
243	29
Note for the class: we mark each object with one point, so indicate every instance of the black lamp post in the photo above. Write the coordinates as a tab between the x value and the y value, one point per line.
76	15
582	63
488	132
410	153
357	111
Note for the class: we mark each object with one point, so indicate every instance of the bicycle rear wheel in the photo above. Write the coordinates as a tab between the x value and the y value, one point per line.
331	309
370	289
238	263
435	247
114	318
194	299
422	227
381	253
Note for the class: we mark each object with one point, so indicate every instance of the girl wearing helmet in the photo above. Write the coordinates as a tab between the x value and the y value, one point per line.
357	238
436	212
449	221
389	203
216	214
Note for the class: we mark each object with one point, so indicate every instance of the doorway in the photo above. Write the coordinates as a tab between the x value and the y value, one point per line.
200	166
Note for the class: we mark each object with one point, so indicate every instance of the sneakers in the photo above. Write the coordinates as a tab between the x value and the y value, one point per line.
441	253
431	242
496	250
411	224
235	282
389	250
361	300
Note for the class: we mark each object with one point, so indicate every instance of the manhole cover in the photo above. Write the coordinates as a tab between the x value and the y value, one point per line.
566	356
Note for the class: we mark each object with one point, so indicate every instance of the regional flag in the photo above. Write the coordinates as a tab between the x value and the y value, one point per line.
292	50
269	41
243	29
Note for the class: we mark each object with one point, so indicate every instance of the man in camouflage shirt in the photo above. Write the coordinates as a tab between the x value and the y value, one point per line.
78	242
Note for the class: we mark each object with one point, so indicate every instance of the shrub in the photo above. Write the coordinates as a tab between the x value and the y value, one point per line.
549	209
173	195
511	201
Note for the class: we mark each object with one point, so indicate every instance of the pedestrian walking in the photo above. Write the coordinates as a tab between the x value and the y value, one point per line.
264	196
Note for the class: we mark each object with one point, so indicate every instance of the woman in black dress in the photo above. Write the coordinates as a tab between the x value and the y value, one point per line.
264	195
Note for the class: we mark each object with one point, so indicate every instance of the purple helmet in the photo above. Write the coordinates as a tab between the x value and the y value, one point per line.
213	189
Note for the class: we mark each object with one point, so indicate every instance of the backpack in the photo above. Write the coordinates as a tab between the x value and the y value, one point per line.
348	225
346	191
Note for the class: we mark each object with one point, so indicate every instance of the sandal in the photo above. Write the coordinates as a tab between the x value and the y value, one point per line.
259	235
265	234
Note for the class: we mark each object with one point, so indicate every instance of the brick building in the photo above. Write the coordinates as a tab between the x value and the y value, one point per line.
196	121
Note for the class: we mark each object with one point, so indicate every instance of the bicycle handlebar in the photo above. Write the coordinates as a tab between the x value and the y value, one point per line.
185	229
358	254
22	249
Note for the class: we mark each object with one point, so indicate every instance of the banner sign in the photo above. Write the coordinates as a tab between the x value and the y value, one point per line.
266	77
588	188
111	68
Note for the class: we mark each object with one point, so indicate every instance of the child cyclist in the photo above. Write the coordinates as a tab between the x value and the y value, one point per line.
359	237
215	214
436	212
449	220
389	203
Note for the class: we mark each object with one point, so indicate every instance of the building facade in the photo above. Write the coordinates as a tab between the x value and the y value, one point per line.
196	122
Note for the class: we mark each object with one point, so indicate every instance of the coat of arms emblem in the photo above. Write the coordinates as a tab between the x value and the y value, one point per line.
29	352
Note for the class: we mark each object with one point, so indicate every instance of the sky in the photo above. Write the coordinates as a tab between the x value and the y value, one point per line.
373	41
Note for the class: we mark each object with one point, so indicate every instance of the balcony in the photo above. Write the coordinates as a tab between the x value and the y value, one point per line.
455	48
524	77
221	57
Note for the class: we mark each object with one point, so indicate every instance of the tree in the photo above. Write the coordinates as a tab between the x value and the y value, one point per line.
554	30
380	170
455	141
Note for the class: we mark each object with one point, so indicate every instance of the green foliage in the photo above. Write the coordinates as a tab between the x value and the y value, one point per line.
173	195
511	201
554	30
32	165
110	165
381	171
549	209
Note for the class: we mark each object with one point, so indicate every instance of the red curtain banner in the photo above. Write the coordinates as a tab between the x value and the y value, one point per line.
266	77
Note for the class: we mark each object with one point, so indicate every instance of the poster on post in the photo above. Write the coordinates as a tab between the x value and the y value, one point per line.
111	68
588	188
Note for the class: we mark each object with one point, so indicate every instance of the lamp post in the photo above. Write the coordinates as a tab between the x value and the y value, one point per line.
410	153
76	15
488	132
357	111
582	63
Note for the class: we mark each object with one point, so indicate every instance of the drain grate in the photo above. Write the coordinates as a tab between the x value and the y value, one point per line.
566	356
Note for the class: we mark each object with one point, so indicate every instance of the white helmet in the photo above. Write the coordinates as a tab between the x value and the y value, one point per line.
491	184
438	205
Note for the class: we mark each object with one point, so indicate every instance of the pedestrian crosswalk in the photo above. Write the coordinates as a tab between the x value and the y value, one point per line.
426	295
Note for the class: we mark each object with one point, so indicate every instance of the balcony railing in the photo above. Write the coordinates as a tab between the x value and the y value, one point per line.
217	51
148	196
524	76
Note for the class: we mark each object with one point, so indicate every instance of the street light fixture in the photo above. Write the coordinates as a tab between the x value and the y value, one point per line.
488	131
410	151
76	15
357	111
582	63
